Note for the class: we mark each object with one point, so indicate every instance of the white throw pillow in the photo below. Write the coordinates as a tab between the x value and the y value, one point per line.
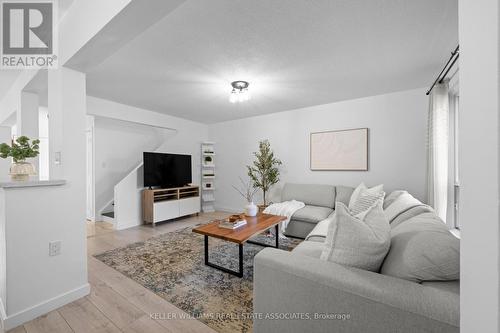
358	243
363	199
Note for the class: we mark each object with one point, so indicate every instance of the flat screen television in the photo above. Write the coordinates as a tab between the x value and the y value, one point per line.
166	170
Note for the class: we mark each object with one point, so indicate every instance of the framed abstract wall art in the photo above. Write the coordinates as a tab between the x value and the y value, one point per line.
345	150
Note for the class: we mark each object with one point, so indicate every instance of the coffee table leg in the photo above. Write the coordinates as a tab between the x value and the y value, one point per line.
238	273
276	233
240	250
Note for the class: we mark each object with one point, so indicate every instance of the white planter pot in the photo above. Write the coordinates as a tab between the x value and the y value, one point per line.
21	171
251	209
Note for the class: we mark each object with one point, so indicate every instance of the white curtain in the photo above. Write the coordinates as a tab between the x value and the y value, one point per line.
437	149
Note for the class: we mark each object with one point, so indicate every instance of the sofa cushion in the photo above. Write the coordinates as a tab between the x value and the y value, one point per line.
412	212
389	199
363	199
312	214
310	194
362	188
299	229
311	249
357	243
452	287
343	194
318	234
423	249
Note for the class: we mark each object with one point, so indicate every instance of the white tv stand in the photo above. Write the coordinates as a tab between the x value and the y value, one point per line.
169	203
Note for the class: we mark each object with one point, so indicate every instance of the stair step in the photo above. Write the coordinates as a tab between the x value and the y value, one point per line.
109	214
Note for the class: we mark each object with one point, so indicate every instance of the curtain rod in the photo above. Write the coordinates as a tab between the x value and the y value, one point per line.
446	69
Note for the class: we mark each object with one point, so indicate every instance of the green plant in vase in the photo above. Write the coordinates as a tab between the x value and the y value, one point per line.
264	172
20	150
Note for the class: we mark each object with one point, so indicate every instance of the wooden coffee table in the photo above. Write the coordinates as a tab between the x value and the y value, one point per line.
255	225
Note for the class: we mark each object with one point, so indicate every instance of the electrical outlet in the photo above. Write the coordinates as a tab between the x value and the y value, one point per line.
54	248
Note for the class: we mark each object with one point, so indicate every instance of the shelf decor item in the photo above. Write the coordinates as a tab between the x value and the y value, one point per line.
265	170
247	191
20	150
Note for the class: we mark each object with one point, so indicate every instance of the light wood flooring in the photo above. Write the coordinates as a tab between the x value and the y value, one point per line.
117	303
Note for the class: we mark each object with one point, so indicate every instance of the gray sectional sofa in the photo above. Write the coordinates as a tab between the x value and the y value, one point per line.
298	292
320	203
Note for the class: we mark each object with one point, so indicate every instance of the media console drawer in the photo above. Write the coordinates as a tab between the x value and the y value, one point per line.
165	210
169	203
189	206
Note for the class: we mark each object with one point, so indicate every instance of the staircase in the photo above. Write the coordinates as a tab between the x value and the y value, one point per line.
124	210
107	214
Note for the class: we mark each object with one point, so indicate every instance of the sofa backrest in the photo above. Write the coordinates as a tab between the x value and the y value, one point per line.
310	194
343	194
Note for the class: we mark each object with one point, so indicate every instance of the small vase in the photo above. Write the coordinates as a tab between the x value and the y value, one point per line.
251	209
21	171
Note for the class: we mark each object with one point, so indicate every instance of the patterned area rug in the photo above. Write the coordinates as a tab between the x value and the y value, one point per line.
172	266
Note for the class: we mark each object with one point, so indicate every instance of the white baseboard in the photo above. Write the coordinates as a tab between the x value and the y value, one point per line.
228	209
40	309
3	315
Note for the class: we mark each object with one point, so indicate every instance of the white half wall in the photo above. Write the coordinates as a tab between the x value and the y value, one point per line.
32	217
397	144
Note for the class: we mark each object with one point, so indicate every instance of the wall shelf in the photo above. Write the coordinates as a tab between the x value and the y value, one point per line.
208	176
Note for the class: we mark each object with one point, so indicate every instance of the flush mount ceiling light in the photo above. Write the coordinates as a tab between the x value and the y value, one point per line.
240	92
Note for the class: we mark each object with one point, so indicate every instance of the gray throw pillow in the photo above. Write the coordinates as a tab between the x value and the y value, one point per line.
363	199
358	243
423	249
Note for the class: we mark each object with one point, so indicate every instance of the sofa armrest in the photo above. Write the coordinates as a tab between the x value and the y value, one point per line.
351	300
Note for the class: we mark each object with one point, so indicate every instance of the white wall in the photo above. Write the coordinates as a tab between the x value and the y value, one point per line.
122	133
5	137
31	217
397	141
43	136
118	149
479	165
36	283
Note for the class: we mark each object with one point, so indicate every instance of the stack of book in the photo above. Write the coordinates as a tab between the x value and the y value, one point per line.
232	223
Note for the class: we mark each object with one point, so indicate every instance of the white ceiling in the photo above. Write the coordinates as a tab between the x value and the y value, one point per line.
64	6
294	53
8	77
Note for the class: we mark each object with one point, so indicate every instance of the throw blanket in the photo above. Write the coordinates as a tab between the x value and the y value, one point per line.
286	208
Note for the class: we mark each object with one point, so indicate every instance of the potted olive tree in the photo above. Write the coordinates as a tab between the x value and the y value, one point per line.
20	150
264	172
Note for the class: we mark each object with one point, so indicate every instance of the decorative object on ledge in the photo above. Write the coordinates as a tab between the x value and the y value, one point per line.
20	150
240	92
208	161
340	150
247	191
265	172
